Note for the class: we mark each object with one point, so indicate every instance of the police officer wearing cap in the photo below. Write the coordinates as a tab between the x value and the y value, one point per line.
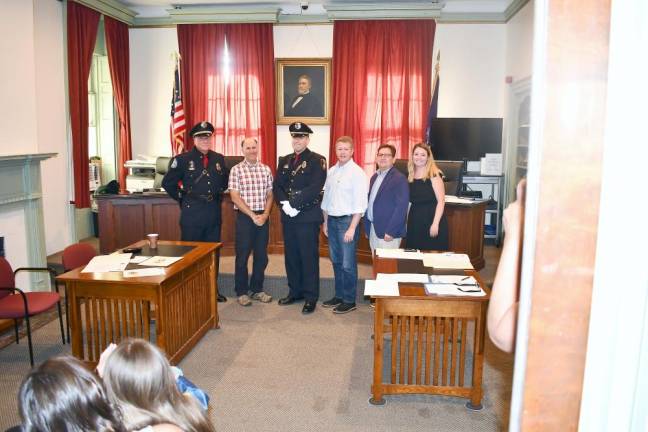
298	190
197	179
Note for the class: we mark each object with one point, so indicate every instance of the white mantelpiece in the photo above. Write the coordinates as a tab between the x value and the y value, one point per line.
20	187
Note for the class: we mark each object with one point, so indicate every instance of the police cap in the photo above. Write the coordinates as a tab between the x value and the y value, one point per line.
299	129
203	128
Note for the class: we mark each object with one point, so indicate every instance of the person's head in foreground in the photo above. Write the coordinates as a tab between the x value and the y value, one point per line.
62	395
139	379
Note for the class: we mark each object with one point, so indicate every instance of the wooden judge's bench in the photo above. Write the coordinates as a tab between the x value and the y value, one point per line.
126	219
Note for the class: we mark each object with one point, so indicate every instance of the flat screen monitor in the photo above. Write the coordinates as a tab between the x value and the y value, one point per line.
465	138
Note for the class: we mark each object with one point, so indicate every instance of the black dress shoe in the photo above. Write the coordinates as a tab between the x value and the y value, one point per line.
309	307
288	300
222	298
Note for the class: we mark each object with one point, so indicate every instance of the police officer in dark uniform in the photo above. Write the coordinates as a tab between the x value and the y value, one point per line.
197	179
298	190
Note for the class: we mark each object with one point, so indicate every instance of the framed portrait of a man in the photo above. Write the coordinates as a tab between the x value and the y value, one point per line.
303	90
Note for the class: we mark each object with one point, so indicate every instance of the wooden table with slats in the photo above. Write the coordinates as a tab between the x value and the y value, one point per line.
437	342
107	307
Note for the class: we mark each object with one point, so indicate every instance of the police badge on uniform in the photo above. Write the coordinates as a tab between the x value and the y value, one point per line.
218	167
192	166
304	165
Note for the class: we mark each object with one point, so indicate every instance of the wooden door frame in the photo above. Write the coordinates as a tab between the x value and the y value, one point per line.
564	184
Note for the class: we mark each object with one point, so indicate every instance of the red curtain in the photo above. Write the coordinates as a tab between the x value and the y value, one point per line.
203	85
381	84
118	60
251	89
82	24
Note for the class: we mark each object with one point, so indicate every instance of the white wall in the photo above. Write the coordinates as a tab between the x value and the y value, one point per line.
51	121
519	43
151	86
472	69
17	88
311	41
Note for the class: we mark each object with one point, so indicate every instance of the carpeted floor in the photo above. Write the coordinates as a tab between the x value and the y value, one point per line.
268	368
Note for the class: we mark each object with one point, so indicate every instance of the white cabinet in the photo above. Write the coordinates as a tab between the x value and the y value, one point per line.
517	150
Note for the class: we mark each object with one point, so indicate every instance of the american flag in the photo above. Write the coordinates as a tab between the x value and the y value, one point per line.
177	114
434	104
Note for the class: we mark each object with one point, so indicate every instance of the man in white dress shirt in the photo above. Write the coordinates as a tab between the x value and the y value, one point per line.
344	203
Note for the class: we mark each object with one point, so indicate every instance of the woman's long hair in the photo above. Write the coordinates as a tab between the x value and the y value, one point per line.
140	381
431	168
62	395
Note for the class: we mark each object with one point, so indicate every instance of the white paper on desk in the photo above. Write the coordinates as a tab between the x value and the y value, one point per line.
458	200
138	259
403	277
453	279
447	261
160	261
151	271
387	288
398	253
107	263
452	290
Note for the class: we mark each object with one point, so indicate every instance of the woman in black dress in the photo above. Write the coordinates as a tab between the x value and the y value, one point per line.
427	227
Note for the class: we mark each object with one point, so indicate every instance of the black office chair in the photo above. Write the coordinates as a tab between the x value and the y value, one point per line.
452	176
230	161
161	168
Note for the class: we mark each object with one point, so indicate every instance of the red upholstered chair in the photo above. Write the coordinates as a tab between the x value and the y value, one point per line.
76	255
16	304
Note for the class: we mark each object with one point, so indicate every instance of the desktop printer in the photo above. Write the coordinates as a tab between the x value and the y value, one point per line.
141	174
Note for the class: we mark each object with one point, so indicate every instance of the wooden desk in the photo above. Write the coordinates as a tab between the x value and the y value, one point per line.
124	219
106	307
429	335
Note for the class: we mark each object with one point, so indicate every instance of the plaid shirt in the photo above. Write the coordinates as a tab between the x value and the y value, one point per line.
253	182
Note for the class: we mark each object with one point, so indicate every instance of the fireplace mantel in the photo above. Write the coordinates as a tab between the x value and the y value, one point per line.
20	184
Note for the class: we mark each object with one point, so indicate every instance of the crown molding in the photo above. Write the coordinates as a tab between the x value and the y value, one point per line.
383	11
514	8
111	8
217	14
338	11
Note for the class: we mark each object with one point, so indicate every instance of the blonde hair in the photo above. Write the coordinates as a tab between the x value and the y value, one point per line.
345	139
139	379
431	168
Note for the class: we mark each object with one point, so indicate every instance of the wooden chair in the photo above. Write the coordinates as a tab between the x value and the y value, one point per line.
76	255
16	304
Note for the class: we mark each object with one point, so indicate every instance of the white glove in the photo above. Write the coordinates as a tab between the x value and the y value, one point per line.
288	209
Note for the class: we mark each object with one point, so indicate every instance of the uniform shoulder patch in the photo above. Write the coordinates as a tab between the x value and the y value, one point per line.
174	164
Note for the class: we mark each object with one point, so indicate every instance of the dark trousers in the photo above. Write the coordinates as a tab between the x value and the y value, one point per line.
210	232
250	238
301	243
201	233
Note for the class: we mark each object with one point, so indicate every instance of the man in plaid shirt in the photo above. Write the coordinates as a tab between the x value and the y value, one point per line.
250	186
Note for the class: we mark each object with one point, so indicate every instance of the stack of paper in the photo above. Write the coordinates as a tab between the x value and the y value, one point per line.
159	261
454	285
399	254
381	288
403	277
107	263
447	260
460	200
453	290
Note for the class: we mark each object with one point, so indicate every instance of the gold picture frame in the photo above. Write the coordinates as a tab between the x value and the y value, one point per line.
303	90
